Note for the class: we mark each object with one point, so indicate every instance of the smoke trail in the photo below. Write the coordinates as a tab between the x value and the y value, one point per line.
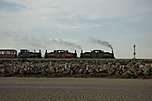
29	41
66	43
26	40
100	42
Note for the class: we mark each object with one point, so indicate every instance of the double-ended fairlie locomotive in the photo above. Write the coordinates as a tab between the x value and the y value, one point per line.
64	54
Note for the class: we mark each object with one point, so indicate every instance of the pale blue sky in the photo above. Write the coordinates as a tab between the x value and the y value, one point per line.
47	24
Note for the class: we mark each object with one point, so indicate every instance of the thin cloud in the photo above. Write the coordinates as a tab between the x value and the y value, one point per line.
76	20
10	6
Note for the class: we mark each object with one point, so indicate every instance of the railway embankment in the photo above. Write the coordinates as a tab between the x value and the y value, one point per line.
110	68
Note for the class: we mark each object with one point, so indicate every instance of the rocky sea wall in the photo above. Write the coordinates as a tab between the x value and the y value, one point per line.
110	68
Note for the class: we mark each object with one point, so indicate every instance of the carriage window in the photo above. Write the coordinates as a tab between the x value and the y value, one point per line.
2	52
8	52
14	53
5	52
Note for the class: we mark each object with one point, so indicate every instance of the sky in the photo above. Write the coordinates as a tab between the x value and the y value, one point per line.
73	24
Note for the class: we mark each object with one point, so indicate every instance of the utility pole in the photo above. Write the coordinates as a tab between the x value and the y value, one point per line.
134	51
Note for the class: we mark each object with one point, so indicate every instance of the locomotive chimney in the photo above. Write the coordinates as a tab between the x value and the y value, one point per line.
46	51
34	50
113	53
39	51
81	54
112	50
75	54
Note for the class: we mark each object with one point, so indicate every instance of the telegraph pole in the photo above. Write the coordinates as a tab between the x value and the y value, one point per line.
134	51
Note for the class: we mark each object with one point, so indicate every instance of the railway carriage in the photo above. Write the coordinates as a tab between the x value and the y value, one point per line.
8	53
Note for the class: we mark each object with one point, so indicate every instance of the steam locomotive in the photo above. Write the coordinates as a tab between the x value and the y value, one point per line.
97	54
24	53
27	54
60	54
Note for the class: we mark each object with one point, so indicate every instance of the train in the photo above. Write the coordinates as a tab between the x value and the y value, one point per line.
64	54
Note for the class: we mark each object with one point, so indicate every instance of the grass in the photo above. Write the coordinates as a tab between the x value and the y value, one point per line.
75	89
